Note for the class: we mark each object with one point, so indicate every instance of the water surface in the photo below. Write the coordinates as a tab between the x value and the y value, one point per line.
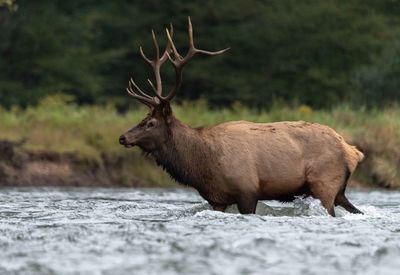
164	231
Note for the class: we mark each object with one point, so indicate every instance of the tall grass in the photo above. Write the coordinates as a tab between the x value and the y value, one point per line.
90	132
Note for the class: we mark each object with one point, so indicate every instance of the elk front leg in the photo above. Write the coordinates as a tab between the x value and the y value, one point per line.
219	207
320	191
247	204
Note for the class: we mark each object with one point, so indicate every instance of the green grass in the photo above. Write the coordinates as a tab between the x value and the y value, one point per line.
91	132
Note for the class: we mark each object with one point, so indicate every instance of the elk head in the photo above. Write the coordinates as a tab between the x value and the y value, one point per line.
154	130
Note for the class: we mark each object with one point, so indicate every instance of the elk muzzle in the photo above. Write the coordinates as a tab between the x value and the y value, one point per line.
127	140
122	140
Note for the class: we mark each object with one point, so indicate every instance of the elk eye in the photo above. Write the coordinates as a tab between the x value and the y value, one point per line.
150	124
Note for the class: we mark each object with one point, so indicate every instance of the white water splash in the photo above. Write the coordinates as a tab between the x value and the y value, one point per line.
156	231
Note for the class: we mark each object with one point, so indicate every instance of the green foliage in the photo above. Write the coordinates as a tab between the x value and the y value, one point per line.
379	83
297	51
90	133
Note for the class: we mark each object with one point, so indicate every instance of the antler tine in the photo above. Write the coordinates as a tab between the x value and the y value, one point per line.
134	90
144	56
164	57
152	85
157	63
144	98
174	50
193	50
180	62
156	47
190	32
137	88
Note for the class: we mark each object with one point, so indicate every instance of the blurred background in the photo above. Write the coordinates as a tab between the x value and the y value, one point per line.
64	67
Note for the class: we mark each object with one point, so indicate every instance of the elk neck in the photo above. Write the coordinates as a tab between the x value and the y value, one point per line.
187	155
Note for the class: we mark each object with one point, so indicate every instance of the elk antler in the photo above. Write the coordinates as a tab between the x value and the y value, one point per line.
135	91
177	61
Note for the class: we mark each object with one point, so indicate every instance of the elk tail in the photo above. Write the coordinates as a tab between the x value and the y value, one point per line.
353	156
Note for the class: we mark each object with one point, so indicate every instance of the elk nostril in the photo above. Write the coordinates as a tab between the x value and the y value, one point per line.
122	140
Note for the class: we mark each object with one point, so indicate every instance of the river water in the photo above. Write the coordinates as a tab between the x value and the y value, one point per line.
164	231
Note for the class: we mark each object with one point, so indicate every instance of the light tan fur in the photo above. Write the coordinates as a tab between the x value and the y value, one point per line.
240	162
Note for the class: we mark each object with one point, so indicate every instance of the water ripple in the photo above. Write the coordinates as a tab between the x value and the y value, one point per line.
158	231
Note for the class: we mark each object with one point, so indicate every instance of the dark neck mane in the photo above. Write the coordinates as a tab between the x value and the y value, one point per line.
186	156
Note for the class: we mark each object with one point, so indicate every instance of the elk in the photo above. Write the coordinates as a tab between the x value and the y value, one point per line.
240	162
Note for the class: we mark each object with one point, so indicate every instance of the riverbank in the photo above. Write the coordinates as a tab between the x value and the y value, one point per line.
20	166
60	143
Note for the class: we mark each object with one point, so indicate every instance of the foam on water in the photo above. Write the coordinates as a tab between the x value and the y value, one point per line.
156	231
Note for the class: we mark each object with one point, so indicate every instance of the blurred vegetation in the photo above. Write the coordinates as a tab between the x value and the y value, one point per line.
91	133
9	4
317	53
64	66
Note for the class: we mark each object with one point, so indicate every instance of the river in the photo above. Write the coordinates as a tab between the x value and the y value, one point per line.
173	231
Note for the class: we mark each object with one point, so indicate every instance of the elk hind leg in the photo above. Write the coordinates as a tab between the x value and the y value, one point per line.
326	181
342	201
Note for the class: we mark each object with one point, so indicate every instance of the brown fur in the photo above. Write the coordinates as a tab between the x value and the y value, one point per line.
243	162
240	162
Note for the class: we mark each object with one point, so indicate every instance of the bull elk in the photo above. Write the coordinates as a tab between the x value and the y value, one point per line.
240	162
